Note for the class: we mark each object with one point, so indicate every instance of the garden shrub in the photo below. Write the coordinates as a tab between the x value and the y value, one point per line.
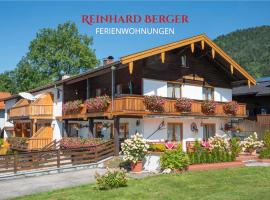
266	139
111	179
174	160
235	146
159	147
1	141
265	153
214	156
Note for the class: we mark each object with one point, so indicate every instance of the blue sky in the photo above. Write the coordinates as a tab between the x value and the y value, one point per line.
20	21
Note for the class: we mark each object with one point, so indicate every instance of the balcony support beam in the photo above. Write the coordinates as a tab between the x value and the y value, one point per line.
91	128
116	121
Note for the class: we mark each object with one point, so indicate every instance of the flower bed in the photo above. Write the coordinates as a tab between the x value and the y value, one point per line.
154	103
162	146
208	107
183	105
230	108
98	104
72	106
75	143
216	149
17	141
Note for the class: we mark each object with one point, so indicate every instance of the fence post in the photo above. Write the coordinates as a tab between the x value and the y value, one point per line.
58	158
96	154
15	163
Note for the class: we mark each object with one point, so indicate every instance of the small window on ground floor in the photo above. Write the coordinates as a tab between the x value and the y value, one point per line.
174	132
123	130
209	130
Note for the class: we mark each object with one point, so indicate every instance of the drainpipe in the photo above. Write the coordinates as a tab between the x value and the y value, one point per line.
113	69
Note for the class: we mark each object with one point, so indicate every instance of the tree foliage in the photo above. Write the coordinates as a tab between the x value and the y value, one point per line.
53	53
250	48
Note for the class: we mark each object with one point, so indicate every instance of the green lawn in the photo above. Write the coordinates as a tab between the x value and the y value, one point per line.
235	183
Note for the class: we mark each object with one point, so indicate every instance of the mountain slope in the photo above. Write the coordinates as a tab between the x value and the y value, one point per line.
250	48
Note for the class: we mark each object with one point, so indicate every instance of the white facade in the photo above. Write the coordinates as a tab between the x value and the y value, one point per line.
154	87
160	88
150	125
222	94
192	92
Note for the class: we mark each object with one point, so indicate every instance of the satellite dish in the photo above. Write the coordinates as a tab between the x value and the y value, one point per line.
27	96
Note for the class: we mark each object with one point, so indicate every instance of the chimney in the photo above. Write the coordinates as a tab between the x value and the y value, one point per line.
108	60
66	76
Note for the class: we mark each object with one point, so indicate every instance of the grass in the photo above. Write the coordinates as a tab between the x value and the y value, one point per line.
235	183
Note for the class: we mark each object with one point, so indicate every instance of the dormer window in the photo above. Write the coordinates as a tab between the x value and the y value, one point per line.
183	61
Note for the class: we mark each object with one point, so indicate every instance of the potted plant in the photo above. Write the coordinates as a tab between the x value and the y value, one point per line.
72	106
251	143
134	150
98	104
154	103
208	107
183	104
230	108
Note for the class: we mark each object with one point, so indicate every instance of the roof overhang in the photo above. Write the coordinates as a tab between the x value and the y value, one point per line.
203	39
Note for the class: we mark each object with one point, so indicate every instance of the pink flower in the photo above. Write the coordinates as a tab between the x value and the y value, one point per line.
169	145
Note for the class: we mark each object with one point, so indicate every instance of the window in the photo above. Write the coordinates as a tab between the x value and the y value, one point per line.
263	111
174	132
174	90
123	130
209	130
119	89
98	92
183	61
208	93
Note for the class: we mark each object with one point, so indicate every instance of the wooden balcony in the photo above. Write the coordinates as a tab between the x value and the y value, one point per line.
41	108
134	106
263	119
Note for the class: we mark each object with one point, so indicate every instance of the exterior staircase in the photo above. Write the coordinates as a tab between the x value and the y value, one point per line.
38	141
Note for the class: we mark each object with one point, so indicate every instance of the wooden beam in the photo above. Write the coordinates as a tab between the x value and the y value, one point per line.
202	44
91	127
249	83
213	53
231	69
163	57
192	47
116	135
130	67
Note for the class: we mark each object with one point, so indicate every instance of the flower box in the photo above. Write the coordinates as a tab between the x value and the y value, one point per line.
230	108
154	103
98	104
208	107
183	105
73	106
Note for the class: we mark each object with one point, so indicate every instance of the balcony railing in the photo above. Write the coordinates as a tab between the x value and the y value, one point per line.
134	105
263	119
31	111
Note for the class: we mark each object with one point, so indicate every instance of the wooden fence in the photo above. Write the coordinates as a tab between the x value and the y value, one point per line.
248	127
56	158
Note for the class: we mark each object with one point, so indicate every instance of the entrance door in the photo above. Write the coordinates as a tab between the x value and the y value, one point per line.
209	130
175	132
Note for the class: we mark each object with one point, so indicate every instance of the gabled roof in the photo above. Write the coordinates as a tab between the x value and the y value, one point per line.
189	41
143	54
261	89
3	95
